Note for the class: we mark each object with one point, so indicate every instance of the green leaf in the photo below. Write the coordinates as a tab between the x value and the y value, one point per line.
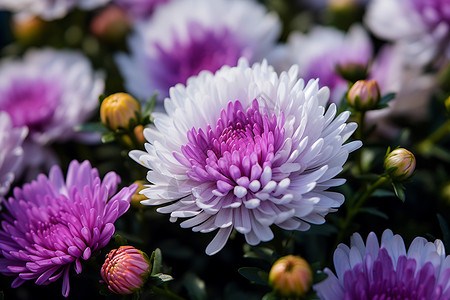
386	98
445	232
255	275
271	296
148	108
374	211
156	260
108	137
195	287
91	127
120	240
161	278
399	192
101	98
383	193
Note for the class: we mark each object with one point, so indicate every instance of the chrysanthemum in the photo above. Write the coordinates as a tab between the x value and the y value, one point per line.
184	37
319	52
139	9
246	149
51	224
387	270
49	9
421	26
11	151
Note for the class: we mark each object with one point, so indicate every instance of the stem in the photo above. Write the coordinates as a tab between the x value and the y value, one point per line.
360	116
427	144
167	293
353	211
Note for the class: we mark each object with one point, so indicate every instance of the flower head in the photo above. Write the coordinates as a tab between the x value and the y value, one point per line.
364	95
291	276
184	37
49	9
51	224
117	110
139	9
246	149
125	270
387	270
400	164
11	151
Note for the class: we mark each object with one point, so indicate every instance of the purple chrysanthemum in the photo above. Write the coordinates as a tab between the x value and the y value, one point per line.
139	9
52	224
387	270
11	151
245	149
421	26
184	37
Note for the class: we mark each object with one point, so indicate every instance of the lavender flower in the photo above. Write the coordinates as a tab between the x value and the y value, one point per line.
246	149
11	151
387	270
184	37
421	26
139	9
51	224
49	9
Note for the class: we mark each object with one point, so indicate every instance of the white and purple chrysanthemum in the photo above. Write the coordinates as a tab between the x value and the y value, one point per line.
321	50
139	9
245	149
184	37
387	270
51	224
11	151
49	9
422	26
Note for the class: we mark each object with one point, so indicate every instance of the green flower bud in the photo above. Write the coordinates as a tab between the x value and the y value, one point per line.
364	95
400	164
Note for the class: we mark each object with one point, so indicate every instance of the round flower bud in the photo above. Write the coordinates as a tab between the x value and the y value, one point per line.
125	270
117	110
352	71
111	24
400	164
291	276
364	95
136	198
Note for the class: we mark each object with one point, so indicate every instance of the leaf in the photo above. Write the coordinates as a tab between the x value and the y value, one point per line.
148	108
195	287
255	275
383	193
445	232
374	211
101	98
161	278
156	260
91	127
120	240
386	98
398	189
108	137
271	296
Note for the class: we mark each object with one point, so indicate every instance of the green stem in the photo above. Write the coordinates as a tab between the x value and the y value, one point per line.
359	134
353	211
167	293
427	144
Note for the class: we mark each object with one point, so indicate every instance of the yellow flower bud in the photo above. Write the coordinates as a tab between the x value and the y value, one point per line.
117	110
291	276
136	198
400	164
139	134
364	95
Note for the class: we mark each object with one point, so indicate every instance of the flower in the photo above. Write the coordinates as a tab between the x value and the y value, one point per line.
291	276
11	151
319	52
51	224
117	110
111	24
246	149
364	95
400	164
125	270
139	9
51	92
387	270
49	9
185	37
421	26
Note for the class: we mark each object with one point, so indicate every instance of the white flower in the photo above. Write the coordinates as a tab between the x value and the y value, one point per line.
11	151
246	149
184	37
422	26
49	9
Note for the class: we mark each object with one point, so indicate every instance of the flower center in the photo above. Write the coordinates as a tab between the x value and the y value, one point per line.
383	281
234	153
203	49
30	101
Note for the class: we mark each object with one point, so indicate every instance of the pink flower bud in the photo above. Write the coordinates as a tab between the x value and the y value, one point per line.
400	164
364	95
125	270
291	276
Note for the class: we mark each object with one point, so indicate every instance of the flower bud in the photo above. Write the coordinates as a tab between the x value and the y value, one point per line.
400	164
111	24
125	270
291	276
28	29
364	95
139	134
136	198
352	71
117	110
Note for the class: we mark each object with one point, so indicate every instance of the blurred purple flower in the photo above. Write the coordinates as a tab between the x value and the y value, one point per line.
11	151
422	26
49	9
184	37
139	9
246	149
387	271
50	224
